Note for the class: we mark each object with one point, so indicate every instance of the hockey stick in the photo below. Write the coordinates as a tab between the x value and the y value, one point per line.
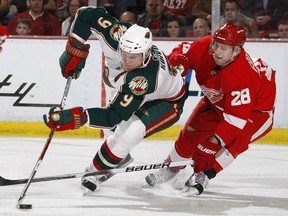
6	182
29	180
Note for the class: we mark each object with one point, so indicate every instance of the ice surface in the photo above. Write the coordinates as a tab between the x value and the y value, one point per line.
255	184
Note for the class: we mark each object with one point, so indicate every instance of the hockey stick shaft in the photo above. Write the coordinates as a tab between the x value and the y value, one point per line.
29	180
6	182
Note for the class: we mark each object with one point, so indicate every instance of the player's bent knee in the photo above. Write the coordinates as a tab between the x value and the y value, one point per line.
122	144
184	146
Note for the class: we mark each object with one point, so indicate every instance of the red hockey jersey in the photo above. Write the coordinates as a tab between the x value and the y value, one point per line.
241	87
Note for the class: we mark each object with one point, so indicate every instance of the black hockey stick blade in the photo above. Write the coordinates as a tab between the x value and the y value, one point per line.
7	182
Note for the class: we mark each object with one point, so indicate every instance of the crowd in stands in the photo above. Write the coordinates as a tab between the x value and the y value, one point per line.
165	18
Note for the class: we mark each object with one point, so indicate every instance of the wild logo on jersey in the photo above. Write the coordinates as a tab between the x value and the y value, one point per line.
138	85
117	31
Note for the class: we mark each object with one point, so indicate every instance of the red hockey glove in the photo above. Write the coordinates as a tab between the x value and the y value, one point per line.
73	59
69	119
179	62
204	156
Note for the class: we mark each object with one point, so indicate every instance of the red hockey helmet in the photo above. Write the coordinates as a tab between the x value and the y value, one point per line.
230	34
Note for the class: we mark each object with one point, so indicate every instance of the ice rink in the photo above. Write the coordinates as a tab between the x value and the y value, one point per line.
255	184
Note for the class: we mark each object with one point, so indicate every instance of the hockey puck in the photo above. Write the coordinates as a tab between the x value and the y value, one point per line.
25	206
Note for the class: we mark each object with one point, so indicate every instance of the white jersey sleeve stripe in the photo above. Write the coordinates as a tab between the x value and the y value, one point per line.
235	121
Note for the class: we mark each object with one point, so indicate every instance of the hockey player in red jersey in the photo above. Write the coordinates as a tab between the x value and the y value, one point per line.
237	107
149	94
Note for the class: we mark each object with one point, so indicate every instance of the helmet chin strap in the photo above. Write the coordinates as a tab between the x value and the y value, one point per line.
236	52
146	58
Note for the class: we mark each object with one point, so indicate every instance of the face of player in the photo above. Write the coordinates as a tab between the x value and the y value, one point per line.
131	61
173	29
22	29
224	54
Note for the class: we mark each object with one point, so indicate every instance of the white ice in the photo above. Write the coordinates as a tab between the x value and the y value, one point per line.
255	184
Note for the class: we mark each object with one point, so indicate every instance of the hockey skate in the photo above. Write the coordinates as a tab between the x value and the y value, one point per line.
161	176
195	185
90	183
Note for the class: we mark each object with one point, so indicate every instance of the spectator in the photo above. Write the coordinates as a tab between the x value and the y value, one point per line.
23	26
3	34
200	28
50	6
154	18
4	5
7	11
73	6
283	28
232	13
266	13
43	23
21	5
62	12
203	9
182	9
128	16
175	28
62	9
4	8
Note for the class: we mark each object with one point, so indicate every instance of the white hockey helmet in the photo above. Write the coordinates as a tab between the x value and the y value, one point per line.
137	39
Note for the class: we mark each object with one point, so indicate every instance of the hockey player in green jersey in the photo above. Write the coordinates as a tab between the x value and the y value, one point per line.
150	94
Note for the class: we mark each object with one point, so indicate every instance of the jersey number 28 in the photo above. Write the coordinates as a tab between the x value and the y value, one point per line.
241	97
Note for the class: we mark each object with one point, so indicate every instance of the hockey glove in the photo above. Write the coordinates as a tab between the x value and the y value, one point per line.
204	157
73	59
69	119
179	62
